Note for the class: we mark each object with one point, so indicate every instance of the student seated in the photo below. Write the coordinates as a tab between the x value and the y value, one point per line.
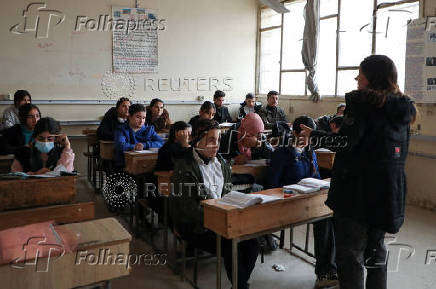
252	144
335	123
48	150
222	112
249	106
10	114
20	134
134	135
175	147
158	116
288	166
202	165
271	113
114	116
207	111
323	122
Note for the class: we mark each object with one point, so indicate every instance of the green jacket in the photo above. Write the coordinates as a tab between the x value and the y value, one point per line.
186	210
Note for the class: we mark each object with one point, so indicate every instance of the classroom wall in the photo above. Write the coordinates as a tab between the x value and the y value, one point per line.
208	43
430	8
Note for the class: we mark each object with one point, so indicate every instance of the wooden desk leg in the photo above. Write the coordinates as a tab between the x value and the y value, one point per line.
291	238
218	261
306	244
235	263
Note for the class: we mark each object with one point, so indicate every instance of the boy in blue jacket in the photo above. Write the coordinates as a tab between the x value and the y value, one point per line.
288	166
134	135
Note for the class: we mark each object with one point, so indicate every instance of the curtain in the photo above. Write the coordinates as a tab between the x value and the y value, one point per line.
310	46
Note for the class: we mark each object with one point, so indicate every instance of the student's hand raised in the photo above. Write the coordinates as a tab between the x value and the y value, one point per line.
63	140
139	147
305	130
182	137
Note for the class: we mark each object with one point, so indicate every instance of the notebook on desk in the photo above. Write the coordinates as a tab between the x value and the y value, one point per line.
241	200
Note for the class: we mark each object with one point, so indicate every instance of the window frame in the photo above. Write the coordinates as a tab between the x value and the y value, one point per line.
337	15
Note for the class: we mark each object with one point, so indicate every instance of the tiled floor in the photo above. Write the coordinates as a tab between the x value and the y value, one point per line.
418	233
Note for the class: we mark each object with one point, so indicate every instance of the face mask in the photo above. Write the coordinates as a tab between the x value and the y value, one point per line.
44	147
121	120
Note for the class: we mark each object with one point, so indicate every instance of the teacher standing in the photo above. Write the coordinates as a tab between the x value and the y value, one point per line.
368	186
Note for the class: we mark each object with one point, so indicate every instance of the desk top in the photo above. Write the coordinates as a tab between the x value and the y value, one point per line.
136	154
231	222
7	157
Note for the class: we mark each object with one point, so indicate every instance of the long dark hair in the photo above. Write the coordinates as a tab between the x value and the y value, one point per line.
175	127
19	95
24	110
382	76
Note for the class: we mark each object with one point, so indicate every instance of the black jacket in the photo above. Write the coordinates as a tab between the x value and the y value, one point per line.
11	139
323	122
30	158
106	129
185	201
168	154
272	114
368	180
222	115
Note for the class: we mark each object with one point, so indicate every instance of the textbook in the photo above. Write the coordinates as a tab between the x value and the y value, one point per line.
241	200
307	185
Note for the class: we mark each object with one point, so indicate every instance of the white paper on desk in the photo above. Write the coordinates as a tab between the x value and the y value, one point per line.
323	150
144	152
56	172
226	124
315	183
241	200
300	189
260	162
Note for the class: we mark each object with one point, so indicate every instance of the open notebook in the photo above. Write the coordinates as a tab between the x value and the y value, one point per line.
307	185
241	200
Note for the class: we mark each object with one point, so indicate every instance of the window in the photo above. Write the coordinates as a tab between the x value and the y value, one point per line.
347	35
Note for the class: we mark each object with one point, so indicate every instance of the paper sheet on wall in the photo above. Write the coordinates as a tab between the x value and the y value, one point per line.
134	40
421	62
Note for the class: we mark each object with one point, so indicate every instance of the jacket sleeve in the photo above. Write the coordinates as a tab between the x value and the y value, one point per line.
105	129
263	115
228	117
67	159
277	167
350	134
154	140
121	141
185	202
8	119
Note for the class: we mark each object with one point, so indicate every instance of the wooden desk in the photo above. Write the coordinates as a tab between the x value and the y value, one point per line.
23	193
5	163
164	178
325	159
139	163
66	271
259	172
106	150
81	209
242	224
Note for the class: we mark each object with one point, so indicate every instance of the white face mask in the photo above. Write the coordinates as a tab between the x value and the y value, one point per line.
121	120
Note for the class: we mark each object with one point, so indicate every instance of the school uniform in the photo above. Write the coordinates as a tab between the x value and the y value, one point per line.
162	123
187	213
126	138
